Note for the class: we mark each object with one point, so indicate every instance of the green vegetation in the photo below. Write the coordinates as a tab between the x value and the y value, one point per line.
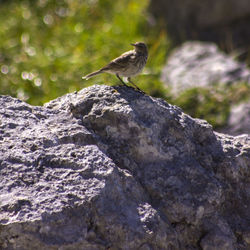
46	46
214	104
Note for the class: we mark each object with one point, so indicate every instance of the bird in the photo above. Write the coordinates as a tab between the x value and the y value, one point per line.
129	64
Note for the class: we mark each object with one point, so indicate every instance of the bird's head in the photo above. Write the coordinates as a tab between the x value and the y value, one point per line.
140	47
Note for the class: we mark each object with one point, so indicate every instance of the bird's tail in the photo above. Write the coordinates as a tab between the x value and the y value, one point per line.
92	74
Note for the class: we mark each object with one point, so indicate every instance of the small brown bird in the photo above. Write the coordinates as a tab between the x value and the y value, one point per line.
128	64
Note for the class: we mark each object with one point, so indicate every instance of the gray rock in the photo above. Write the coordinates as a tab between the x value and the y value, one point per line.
223	21
200	64
239	120
111	168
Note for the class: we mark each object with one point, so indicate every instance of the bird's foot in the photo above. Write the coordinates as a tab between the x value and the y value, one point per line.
141	91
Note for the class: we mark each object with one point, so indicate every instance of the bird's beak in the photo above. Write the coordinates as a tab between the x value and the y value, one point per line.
132	44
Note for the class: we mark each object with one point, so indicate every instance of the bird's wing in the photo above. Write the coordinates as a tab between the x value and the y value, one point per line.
121	61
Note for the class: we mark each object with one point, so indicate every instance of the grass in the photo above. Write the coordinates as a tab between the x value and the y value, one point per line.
46	48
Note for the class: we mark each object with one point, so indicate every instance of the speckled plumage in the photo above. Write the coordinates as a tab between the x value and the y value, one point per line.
128	64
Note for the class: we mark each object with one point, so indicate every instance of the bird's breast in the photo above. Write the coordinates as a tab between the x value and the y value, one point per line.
135	65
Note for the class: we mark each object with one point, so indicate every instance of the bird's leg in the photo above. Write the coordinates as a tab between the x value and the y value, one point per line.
129	79
122	80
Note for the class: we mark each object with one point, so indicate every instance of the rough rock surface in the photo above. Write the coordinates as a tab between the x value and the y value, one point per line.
239	120
208	20
111	168
200	64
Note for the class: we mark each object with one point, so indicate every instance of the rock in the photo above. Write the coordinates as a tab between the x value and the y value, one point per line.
222	21
199	64
111	168
239	120
217	240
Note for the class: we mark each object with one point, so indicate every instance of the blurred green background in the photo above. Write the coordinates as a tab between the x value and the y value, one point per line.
46	46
